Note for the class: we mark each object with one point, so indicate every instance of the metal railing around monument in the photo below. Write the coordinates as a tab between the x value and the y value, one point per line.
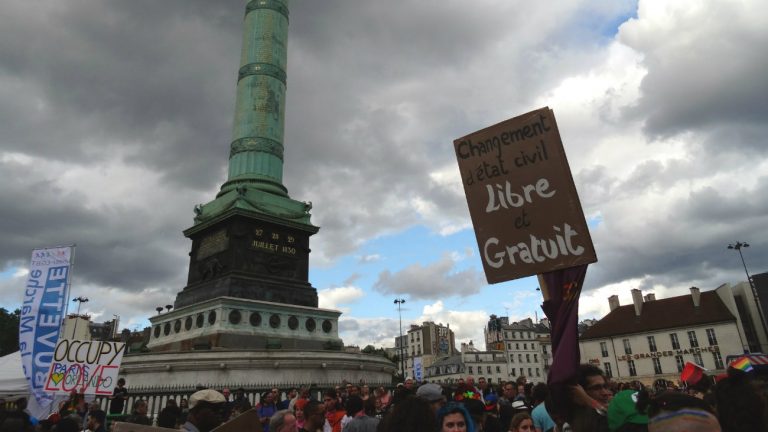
157	396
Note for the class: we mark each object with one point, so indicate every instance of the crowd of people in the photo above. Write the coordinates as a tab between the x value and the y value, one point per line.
735	402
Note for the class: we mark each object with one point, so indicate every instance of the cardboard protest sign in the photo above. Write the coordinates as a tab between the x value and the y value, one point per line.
522	199
245	422
88	367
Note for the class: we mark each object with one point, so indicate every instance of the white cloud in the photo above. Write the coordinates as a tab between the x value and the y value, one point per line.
332	298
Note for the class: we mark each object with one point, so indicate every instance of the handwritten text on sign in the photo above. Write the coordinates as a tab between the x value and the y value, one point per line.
524	207
89	367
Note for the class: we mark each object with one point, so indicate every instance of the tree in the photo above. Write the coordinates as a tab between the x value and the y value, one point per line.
9	331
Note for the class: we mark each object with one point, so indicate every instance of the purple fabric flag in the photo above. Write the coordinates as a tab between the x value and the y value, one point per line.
562	310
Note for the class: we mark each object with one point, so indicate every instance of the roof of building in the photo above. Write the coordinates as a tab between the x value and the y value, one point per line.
447	361
673	312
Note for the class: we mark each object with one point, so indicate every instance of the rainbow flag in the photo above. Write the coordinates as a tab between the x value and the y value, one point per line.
743	364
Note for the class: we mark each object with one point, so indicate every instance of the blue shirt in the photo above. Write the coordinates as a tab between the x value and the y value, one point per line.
541	419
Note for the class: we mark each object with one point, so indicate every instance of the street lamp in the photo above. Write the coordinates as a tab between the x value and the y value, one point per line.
399	302
738	246
80	301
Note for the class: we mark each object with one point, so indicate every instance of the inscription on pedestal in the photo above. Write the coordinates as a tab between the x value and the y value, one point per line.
212	244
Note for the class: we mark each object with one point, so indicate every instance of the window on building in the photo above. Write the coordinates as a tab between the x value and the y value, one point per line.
470	370
525	346
711	337
718	360
533	346
511	358
529	335
521	372
697	359
604	349
529	372
652	344
657	366
514	372
535	358
520	359
632	370
517	346
509	346
692	339
488	369
680	363
627	347
675	342
498	369
527	358
607	370
505	335
544	348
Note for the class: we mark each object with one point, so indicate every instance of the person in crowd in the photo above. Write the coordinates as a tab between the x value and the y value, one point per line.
229	404
433	394
139	413
411	414
542	422
623	413
521	422
365	392
97	421
241	401
333	415
590	399
484	386
740	405
92	407
508	393
266	408
454	417
298	410
289	399
673	412
18	418
183	411
314	416
205	411
492	421
118	398
169	416
476	410
360	421
408	384
283	421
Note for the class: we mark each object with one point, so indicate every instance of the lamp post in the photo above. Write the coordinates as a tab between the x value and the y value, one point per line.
80	301
738	246
399	302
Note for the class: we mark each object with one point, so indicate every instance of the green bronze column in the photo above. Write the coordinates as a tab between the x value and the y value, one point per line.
256	151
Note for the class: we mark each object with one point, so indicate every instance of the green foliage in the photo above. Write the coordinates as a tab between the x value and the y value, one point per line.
9	331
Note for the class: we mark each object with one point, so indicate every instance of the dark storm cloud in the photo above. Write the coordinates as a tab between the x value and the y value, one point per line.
702	76
152	79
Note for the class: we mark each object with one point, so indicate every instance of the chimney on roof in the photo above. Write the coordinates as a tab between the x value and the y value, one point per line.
637	298
650	297
613	302
696	296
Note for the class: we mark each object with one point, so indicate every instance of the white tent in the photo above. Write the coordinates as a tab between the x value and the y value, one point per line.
13	384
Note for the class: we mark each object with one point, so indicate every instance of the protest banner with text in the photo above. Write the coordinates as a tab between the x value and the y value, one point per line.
88	367
42	312
522	199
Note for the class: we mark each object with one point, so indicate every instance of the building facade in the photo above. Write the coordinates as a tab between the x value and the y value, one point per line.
423	344
652	339
525	346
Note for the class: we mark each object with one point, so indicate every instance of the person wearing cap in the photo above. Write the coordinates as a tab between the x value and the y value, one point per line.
205	411
433	394
623	414
96	420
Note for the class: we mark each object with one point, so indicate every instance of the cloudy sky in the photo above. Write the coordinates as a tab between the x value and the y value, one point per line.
115	120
